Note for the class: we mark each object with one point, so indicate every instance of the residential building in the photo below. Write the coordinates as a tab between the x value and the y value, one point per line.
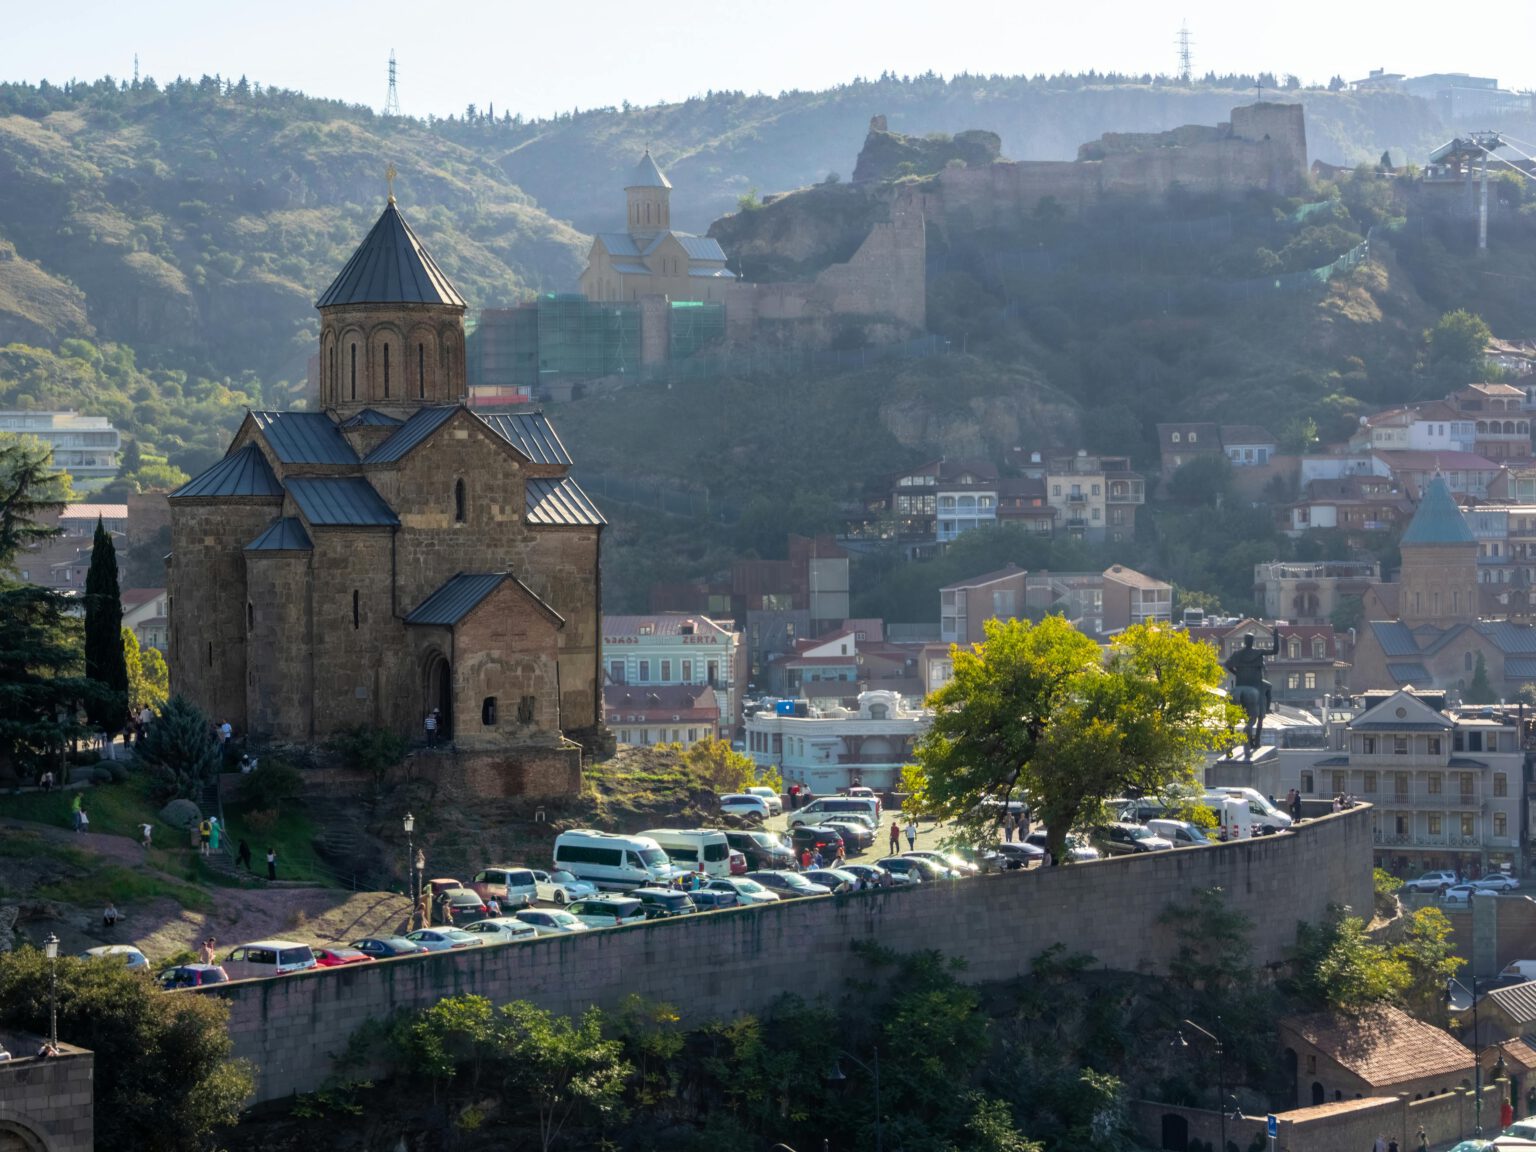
84	446
1433	427
61	563
1077	596
661	714
1357	504
1465	473
1309	592
967	495
831	748
1382	1051
1130	597
677	650
146	614
966	605
1312	664
1247	445
1021	501
1182	442
813	580
1095	497
1503	428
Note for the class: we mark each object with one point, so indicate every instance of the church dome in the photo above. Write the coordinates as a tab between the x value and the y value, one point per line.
391	266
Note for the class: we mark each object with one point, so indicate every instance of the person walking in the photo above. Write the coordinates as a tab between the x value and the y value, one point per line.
208	952
911	834
85	820
204	836
271	863
146	834
430	723
1381	1143
214	832
244	855
895	836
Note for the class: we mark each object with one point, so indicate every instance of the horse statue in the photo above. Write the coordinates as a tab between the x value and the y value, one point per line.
1249	689
1251	701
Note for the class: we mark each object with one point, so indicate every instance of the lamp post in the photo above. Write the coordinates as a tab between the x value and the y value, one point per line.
1451	984
51	948
1221	1071
410	861
836	1075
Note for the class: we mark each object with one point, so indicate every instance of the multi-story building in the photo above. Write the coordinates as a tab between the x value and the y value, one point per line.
1434	427
1357	504
967	499
146	614
966	605
1503	427
831	748
84	446
1131	597
661	713
676	650
1182	442
1247	445
1311	665
1095	497
62	562
1308	592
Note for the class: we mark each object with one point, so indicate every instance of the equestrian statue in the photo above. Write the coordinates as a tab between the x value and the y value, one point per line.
1250	690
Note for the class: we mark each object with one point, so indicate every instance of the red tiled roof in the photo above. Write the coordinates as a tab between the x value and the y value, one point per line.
133	597
1383	1046
988	578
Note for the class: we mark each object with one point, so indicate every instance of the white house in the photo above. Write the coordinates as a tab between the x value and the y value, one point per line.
676	649
831	748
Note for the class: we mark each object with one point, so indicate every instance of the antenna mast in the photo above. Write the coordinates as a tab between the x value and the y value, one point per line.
392	101
1186	60
135	69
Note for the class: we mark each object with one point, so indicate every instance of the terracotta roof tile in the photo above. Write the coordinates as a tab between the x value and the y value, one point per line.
1384	1046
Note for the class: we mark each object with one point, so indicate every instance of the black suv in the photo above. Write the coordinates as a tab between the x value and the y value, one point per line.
762	849
816	837
663	903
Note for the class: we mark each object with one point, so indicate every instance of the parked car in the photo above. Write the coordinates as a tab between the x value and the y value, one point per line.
787	885
193	976
339	957
125	954
502	930
739	865
609	910
834	879
513	887
443	884
268	958
762	849
774	801
928	869
1433	882
946	860
551	921
816	837
1020	854
875	876
744	888
1125	839
980	859
1498	882
560	887
664	903
388	947
712	899
856	836
465	902
444	939
907	870
861	792
826	806
1463	893
744	806
1182	833
1078	849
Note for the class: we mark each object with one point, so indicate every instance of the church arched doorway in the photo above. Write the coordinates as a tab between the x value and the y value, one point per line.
437	693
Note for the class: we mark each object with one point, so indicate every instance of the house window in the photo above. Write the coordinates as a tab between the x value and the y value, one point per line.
1319	648
1192	437
356	615
666	671
1293	681
1468	785
712	673
1370	782
354	371
616	671
1368	745
687	671
1436	783
488	712
1401	825
1306	783
1400	785
645	671
1500	824
1340	781
458	501
1176	437
1309	679
1399	745
1468	824
1434	824
1293	647
1434	745
1500	784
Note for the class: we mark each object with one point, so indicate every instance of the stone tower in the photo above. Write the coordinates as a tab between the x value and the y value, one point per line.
648	196
1439	573
391	328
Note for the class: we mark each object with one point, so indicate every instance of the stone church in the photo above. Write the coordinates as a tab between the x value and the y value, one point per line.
394	552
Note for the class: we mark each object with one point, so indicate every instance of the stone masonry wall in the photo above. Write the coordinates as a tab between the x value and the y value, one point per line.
48	1100
280	689
719	964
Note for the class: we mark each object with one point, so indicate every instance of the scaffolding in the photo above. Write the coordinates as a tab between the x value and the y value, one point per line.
693	325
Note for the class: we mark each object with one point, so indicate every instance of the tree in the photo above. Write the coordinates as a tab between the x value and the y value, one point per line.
1427	952
148	678
565	1068
1480	691
164	1081
371	750
1204	480
181	750
105	661
1526	693
1455	348
1338	965
1035	711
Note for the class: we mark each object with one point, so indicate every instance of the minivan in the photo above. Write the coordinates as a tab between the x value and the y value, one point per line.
513	887
819	809
268	958
762	849
610	860
689	848
1181	832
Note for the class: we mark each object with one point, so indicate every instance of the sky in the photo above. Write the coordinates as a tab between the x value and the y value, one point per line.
540	58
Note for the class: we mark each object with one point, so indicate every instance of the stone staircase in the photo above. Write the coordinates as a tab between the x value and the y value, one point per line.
341	841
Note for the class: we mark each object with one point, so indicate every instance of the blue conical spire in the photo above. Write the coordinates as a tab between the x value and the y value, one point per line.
1438	520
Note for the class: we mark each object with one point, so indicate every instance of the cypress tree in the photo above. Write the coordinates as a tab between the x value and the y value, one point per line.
104	659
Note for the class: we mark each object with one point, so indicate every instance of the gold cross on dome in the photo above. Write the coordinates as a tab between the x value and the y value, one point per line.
389	181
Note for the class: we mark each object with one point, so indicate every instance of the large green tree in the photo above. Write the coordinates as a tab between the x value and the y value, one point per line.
180	749
164	1079
1037	712
1455	348
105	661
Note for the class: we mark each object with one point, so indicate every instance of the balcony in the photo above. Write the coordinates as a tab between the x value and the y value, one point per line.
1416	840
1126	494
1077	498
1077	522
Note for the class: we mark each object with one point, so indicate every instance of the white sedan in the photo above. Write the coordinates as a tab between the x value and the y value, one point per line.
1498	882
502	930
747	891
551	922
561	887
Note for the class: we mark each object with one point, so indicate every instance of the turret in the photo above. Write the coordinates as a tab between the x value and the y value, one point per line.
648	196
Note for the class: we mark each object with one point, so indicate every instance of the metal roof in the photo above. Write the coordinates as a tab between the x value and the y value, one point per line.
712	273
241	473
1409	673
1510	638
530	433
461	594
629	269
304	438
1438	520
647	174
339	501
1395	638
559	500
412	432
390	266
700	247
1517	1001
1522	666
371	417
619	243
285	535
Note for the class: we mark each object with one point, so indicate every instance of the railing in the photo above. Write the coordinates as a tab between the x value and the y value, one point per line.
1412	840
1137	497
1077	498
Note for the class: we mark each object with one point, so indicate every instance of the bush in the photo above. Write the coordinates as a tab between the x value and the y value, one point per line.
118	770
260	821
181	750
271	785
181	814
101	774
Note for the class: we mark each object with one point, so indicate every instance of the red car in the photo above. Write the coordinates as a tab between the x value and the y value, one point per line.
738	863
336	957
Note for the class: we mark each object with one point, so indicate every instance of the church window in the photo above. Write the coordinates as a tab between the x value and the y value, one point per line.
458	501
488	711
354	371
386	371
421	371
250	616
210	653
357	620
1192	437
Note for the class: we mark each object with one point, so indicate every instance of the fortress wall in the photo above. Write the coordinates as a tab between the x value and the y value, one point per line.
721	964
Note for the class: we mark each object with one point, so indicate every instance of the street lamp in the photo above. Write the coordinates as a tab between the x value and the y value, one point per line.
1221	1070
1451	984
836	1076
51	948
410	859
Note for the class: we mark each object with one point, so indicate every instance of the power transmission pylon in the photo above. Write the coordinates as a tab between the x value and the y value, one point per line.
1186	60
392	101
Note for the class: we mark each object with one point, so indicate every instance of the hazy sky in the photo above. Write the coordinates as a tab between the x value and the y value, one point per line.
538	58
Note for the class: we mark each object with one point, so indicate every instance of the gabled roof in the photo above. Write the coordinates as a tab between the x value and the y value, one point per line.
700	247
93	511
1400	711
371	418
1395	637
420	426
285	535
340	502
530	433
390	266
558	501
619	243
1517	1001
988	578
462	594
304	438
1383	1046
647	174
1438	520
242	473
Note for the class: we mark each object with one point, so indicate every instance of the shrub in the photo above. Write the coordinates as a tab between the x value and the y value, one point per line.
101	774
272	785
261	821
119	771
181	814
181	750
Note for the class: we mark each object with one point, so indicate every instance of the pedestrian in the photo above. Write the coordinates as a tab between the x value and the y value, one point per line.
1381	1143
1338	802
1047	860
109	916
911	834
244	855
226	732
208	952
271	863
1506	1113
817	859
214	832
146	835
48	780
204	835
1392	1145
1423	1139
842	855
805	859
85	820
74	817
1295	806
493	906
895	836
430	724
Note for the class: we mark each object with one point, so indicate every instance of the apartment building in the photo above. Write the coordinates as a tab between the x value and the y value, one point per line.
676	650
966	605
84	446
830	748
1095	497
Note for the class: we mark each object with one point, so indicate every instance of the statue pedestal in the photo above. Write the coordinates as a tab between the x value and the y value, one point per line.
1241	754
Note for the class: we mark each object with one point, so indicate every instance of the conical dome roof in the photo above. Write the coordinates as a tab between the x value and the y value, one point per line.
390	266
1438	520
647	174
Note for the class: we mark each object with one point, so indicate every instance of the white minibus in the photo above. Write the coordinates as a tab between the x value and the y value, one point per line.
687	848
611	860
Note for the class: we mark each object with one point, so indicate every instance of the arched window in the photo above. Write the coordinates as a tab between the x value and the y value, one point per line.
1177	438
458	501
421	371
488	711
1192	437
357	621
354	371
386	371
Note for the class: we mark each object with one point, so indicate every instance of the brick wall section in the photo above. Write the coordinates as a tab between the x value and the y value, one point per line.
48	1100
717	965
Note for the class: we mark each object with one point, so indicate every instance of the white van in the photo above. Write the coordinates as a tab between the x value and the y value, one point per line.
268	958
818	810
1181	832
687	848
1266	816
1519	970
611	860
